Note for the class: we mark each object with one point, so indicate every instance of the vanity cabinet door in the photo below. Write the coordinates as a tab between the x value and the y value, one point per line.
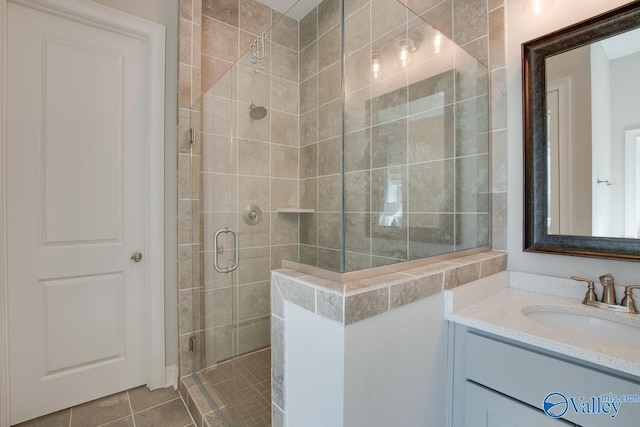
486	408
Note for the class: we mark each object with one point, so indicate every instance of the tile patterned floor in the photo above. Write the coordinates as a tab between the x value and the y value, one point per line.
252	406
137	407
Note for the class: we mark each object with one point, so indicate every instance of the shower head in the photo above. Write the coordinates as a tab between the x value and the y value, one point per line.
257	113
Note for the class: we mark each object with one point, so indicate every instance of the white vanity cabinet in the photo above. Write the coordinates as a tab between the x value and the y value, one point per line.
501	383
486	408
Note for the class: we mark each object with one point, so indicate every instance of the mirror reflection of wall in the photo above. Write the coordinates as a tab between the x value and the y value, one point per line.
593	100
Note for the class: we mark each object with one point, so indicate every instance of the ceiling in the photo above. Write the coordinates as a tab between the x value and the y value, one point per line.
299	9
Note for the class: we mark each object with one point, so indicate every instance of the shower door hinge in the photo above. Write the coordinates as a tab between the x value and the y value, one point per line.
192	344
192	135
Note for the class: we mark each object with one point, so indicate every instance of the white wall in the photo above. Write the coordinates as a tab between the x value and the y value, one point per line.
601	131
396	367
165	12
625	115
521	28
574	65
314	369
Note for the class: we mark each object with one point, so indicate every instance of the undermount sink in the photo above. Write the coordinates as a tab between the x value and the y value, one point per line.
625	333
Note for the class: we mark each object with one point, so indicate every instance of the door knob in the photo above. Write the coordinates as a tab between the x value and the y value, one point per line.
136	256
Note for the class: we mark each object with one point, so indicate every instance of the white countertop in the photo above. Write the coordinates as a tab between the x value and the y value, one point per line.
495	305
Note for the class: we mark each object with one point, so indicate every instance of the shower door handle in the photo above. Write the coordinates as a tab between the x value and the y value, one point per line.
215	251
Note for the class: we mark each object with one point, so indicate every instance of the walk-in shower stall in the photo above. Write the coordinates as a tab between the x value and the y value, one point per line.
352	134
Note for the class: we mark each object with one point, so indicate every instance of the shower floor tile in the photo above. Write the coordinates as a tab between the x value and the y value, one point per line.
248	400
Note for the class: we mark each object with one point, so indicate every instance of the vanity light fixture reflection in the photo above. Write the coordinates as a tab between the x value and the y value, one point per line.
536	7
375	67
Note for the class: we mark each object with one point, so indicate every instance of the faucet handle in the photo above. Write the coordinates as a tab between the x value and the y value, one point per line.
627	301
590	296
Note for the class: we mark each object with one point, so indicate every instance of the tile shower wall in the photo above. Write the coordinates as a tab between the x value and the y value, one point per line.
249	161
320	129
416	142
480	29
213	35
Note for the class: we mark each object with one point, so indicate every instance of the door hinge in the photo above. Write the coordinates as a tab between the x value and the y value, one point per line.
192	344
192	135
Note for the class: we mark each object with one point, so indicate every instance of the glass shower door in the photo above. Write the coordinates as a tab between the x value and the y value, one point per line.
232	364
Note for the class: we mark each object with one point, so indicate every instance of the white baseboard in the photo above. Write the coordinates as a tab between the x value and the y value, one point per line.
171	376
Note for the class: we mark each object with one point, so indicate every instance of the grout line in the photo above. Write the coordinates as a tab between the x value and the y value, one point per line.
70	416
131	409
159	404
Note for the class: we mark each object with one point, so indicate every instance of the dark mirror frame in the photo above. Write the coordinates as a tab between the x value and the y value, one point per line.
534	55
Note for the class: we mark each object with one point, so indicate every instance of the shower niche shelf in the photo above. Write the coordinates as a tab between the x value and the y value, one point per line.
295	210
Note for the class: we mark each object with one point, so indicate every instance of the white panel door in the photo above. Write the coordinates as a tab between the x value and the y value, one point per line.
76	211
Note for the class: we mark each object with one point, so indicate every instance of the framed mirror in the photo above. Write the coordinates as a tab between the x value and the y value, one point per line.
581	96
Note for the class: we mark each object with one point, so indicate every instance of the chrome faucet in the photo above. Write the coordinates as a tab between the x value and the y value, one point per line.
627	305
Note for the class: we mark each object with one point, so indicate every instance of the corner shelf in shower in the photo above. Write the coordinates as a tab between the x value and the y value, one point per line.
295	210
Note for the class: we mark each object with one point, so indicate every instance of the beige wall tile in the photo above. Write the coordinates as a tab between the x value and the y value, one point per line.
431	234
328	15
253	191
308	128
329	156
357	70
432	198
253	334
329	193
212	70
284	95
309	229
309	94
255	235
357	150
358	232
367	304
219	40
409	292
185	42
220	154
284	128
254	16
329	120
308	28
284	30
461	275
309	61
358	190
186	9
386	16
299	294
256	265
284	161
308	194
329	84
329	48
284	229
184	86
357	30
253	300
469	20
329	230
252	158
284	193
284	62
222	10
